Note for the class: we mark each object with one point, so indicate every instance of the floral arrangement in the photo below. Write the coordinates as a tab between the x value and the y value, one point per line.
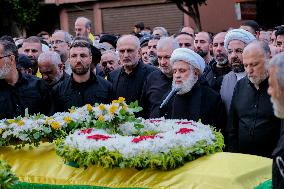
34	129
166	144
7	178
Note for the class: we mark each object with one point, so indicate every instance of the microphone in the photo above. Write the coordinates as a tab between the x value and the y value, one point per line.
170	95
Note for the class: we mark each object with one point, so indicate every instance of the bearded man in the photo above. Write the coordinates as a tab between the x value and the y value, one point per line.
235	42
252	126
83	86
193	101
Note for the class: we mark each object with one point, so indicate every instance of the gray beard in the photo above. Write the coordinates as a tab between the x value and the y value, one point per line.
4	72
186	86
278	109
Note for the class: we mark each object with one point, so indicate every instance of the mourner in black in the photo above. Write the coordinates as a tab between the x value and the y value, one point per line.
20	93
83	86
193	101
276	91
252	126
128	81
159	82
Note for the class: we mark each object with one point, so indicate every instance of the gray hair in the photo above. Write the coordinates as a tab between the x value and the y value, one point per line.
164	31
113	53
88	23
278	62
9	48
167	42
262	45
52	56
67	36
134	38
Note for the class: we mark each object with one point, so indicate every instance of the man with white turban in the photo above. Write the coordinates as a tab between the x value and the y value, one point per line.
235	42
193	100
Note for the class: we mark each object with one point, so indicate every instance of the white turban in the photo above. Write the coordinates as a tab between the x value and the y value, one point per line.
188	56
238	34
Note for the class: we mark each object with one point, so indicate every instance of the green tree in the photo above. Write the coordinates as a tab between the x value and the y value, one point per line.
190	7
25	12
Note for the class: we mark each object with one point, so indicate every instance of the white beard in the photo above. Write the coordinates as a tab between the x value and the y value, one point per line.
186	86
278	108
5	70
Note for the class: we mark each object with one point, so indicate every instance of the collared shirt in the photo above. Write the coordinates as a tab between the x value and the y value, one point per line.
130	85
252	126
69	93
28	95
155	87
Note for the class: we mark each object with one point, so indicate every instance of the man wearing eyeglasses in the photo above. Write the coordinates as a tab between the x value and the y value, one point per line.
60	43
20	93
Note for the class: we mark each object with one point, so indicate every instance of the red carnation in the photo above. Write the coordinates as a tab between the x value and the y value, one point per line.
140	138
184	131
98	137
86	131
155	120
184	122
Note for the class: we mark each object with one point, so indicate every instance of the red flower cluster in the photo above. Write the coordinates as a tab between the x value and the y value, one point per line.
98	137
183	122
184	131
140	138
86	131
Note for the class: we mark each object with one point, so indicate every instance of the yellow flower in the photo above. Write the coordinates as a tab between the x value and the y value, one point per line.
20	122
67	119
101	118
71	110
115	101
89	107
112	109
47	120
121	99
11	121
101	107
55	125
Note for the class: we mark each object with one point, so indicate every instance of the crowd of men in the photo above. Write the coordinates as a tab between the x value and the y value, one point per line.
233	80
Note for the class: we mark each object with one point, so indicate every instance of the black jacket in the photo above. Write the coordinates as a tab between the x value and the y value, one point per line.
277	178
214	76
29	92
252	126
69	93
155	87
130	85
200	103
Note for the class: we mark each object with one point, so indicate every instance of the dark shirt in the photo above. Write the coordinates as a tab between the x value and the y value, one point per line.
214	76
252	126
201	102
29	92
63	77
155	87
69	93
277	178
130	85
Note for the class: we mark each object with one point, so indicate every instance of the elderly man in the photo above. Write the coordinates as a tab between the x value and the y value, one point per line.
51	68
160	32
235	42
158	83
252	126
193	100
83	87
128	80
83	28
32	47
217	70
276	91
109	62
20	93
60	43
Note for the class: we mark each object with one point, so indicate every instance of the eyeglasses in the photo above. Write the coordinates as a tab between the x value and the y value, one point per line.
5	56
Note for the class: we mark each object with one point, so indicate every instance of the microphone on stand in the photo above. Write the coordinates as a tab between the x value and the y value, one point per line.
170	95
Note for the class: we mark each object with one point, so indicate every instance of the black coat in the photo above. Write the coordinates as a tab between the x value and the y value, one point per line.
130	85
252	126
155	87
69	93
29	93
277	178
202	103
